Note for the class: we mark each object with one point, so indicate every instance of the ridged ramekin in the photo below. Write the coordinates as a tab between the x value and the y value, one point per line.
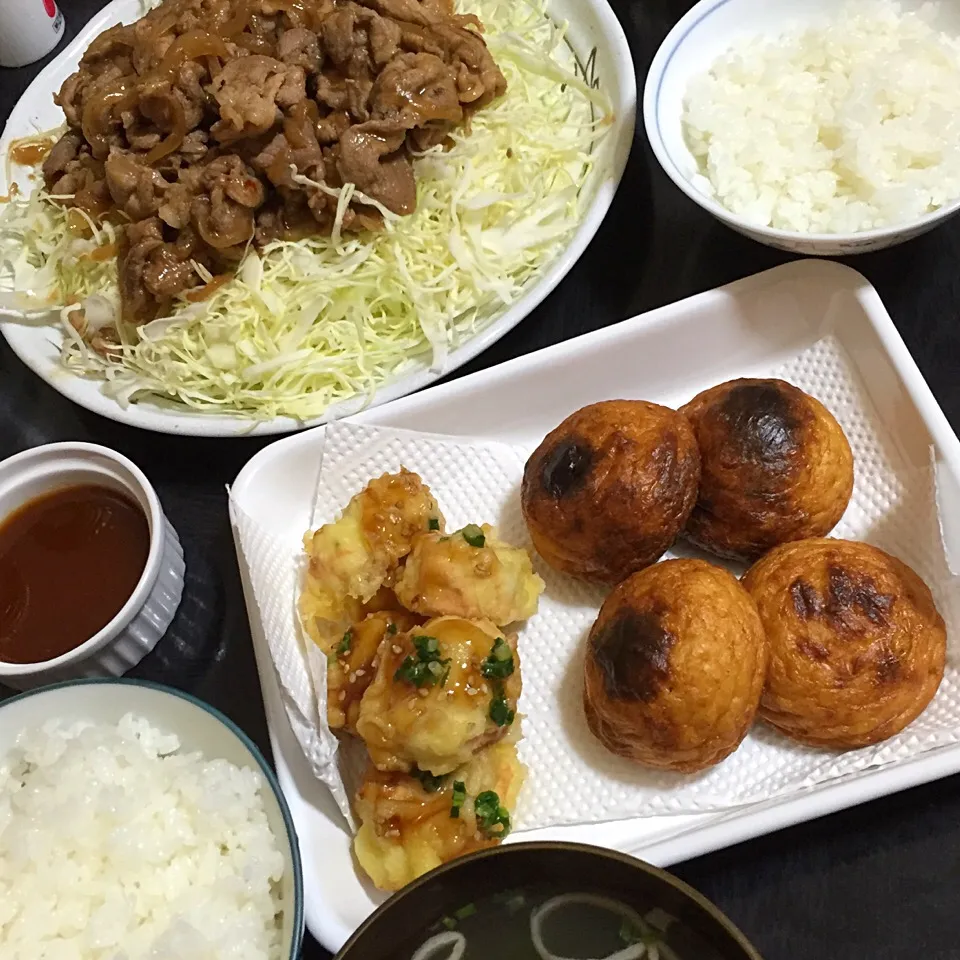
147	614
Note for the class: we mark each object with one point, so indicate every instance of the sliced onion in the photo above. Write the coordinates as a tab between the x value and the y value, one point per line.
99	312
451	938
632	951
178	132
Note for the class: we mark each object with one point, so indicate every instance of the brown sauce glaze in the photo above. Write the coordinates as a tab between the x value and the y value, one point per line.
28	153
69	561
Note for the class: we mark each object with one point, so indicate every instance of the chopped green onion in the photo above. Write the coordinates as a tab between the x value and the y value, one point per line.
429	782
501	650
425	667
492	817
459	798
391	628
500	712
410	671
344	645
415	672
629	933
427	647
465	911
433	524
448	922
473	535
651	938
516	903
499	665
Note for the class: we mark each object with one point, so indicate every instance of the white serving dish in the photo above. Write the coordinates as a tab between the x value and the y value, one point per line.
145	617
199	727
667	355
704	33
598	40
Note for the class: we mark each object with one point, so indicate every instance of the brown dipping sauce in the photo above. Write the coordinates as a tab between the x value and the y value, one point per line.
69	561
31	152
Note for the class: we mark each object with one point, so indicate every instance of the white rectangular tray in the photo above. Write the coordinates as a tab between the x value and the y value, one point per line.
667	355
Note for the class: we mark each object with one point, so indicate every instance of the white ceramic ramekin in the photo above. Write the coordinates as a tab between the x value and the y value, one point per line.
145	617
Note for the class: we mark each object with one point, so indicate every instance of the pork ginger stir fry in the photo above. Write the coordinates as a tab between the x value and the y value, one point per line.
427	698
210	124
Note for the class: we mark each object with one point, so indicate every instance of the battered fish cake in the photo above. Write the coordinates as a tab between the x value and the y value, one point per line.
352	663
857	647
607	492
674	667
470	573
350	560
441	692
411	823
775	467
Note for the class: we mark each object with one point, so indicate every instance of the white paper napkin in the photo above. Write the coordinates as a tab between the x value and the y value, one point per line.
572	779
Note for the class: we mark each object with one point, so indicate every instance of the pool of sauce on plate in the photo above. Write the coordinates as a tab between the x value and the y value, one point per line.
28	153
69	561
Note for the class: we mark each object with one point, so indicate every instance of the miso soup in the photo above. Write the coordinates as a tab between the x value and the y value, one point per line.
545	923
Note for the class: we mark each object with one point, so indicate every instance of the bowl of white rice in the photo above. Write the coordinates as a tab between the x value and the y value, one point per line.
138	823
823	127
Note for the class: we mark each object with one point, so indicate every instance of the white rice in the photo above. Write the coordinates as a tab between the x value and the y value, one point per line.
114	846
833	128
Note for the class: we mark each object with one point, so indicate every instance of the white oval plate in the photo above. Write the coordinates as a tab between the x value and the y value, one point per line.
597	38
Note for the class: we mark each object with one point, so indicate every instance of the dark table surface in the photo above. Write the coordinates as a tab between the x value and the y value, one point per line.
879	881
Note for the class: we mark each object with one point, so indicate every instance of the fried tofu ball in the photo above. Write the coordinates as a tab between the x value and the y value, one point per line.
857	647
408	825
352	663
469	574
609	490
775	467
441	692
350	560
675	666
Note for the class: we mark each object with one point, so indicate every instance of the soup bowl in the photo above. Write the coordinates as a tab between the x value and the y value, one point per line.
438	903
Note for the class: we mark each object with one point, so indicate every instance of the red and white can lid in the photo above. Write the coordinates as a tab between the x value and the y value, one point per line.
29	30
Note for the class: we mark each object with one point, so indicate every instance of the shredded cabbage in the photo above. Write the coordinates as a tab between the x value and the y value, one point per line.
308	324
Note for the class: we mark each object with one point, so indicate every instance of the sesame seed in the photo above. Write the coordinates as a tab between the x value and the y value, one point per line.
353	678
424	693
343	695
360	672
396	648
